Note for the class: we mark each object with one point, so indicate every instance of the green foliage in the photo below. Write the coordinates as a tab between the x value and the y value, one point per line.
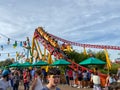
7	62
77	57
115	67
113	70
105	71
100	55
62	69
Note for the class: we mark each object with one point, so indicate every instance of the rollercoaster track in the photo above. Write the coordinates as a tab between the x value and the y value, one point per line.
58	52
48	45
86	45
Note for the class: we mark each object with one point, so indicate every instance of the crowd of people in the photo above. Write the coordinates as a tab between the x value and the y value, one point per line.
39	79
34	79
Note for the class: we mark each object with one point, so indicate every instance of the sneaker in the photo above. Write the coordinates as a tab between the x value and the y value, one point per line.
88	86
74	85
78	87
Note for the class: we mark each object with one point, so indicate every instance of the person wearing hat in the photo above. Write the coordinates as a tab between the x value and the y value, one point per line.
4	81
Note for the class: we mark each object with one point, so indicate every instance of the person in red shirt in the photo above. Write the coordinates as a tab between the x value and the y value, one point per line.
70	75
26	79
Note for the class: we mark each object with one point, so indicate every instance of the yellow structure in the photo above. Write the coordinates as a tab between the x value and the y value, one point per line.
36	46
107	60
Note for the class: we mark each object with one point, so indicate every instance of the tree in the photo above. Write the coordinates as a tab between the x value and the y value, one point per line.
7	62
78	57
101	55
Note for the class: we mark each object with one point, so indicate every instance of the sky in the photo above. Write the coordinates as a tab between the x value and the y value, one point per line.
84	21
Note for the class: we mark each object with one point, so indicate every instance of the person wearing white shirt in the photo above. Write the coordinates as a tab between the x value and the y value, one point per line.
37	83
96	81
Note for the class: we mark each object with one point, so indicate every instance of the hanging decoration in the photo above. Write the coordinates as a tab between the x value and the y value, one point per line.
21	44
8	54
1	47
17	54
24	43
8	41
22	55
28	39
15	44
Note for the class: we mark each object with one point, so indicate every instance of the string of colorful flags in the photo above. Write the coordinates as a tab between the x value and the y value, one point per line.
19	55
23	44
15	44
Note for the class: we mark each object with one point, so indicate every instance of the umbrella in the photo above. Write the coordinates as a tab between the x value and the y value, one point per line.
26	64
15	65
92	61
40	63
60	62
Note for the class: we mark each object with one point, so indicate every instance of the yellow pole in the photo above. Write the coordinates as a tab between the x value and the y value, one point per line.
49	61
107	60
85	53
44	54
38	49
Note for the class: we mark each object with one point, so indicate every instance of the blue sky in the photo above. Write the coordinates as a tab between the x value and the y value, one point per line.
82	21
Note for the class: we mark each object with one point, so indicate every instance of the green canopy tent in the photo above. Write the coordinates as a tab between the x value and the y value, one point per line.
16	64
92	61
26	64
40	63
60	62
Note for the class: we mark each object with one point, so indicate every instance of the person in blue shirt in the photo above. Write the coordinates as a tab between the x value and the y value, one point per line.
4	81
53	79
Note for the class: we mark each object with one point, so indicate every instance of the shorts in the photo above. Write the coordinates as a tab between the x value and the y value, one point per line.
71	78
79	78
85	79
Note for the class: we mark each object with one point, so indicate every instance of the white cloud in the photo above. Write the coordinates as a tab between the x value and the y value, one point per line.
83	21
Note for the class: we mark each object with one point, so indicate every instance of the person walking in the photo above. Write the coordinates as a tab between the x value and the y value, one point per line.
26	79
4	81
66	77
80	78
70	75
37	84
16	80
96	81
110	81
